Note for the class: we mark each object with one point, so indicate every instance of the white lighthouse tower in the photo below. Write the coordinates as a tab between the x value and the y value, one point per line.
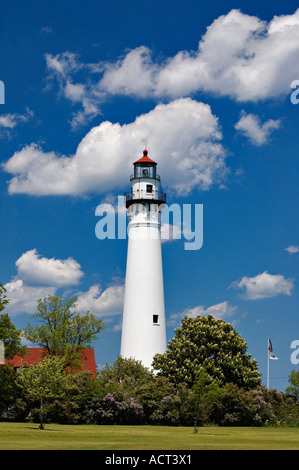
143	329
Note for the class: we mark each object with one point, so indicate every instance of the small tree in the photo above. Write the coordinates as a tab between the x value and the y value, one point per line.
63	332
207	395
293	388
44	381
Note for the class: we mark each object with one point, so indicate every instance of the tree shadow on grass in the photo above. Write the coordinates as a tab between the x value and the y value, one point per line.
45	428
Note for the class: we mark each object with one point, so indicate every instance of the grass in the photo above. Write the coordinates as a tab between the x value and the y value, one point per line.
25	436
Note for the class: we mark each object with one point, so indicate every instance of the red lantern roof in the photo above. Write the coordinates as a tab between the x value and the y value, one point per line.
145	159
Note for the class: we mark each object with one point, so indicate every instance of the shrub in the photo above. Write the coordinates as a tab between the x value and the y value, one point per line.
115	409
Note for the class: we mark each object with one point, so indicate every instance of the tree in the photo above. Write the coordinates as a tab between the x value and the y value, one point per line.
164	402
8	389
73	407
3	299
255	407
207	395
44	381
63	332
10	341
10	336
293	388
124	375
208	343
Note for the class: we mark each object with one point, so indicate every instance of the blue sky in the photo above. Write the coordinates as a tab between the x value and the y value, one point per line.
206	87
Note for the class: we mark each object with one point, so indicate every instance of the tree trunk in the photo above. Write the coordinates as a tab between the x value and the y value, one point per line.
41	425
195	424
196	416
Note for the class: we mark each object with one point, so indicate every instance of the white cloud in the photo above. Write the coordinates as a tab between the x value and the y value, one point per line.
239	56
63	66
46	30
250	126
134	74
8	122
12	120
23	298
184	138
292	249
33	268
102	302
38	277
222	310
264	285
170	232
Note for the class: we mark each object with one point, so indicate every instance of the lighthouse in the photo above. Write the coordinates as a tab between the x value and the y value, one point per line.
143	328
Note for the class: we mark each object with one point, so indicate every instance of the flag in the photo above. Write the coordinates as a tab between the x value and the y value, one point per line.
270	350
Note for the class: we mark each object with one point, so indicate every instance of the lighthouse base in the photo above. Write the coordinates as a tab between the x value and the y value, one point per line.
143	329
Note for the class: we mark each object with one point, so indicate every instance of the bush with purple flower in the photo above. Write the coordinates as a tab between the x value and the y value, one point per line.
116	409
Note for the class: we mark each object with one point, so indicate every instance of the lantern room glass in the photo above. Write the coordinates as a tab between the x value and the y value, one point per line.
144	170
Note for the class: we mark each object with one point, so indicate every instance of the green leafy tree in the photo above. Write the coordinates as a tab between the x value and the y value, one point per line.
3	299
82	394
9	334
164	402
124	375
62	331
255	407
10	340
11	337
208	343
207	395
46	380
8	389
293	388
74	406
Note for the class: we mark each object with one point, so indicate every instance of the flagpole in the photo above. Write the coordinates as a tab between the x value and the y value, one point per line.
270	356
268	364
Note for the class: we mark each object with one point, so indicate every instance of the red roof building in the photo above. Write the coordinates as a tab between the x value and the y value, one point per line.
34	355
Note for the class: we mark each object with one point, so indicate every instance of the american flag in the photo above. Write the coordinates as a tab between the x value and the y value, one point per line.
270	349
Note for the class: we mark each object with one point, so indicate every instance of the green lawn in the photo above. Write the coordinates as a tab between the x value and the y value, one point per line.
25	436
